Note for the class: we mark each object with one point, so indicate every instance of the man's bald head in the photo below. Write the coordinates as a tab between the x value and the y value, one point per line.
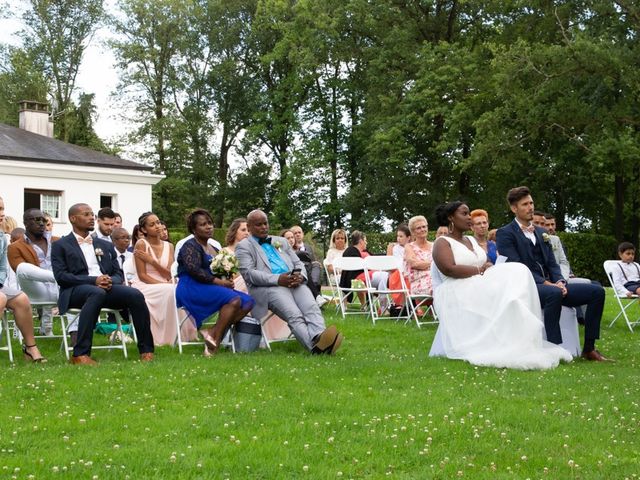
75	209
258	223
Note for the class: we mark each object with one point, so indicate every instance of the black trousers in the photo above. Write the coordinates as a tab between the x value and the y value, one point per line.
90	299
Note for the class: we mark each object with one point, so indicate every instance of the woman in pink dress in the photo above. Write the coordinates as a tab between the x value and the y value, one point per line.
153	258
417	257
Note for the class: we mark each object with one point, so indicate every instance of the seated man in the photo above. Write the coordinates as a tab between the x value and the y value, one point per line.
275	278
30	257
90	278
308	259
521	241
626	277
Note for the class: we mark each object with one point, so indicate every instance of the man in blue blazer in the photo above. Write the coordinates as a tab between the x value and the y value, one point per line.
89	276
521	241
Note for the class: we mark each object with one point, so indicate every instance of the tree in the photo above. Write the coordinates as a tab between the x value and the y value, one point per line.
21	78
57	35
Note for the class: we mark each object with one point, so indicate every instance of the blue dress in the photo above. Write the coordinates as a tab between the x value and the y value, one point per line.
195	291
492	251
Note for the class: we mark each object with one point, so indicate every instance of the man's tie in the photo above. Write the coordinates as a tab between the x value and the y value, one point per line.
88	240
121	260
528	228
264	240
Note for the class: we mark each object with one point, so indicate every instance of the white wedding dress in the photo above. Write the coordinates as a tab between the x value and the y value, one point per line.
493	319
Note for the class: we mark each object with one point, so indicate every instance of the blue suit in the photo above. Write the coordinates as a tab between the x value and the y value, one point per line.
79	290
513	244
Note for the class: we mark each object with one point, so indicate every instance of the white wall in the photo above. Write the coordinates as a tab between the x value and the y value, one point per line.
78	184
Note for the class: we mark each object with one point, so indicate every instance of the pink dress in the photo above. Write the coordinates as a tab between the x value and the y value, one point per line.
161	301
420	280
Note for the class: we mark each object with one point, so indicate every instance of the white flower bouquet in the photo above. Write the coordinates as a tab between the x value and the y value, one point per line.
224	265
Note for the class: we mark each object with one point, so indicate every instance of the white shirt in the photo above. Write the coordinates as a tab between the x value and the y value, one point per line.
127	254
88	250
631	273
98	234
530	235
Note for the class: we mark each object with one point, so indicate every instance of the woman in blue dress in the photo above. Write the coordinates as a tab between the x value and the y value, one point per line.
200	292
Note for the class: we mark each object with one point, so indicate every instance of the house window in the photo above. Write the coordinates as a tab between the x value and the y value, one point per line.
49	201
107	200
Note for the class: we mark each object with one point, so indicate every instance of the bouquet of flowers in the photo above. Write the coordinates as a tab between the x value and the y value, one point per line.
224	265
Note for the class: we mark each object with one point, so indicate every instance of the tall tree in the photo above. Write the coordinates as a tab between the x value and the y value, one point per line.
58	33
21	78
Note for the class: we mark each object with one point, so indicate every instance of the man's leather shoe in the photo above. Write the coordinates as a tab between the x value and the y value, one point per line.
146	357
335	346
83	360
595	355
326	338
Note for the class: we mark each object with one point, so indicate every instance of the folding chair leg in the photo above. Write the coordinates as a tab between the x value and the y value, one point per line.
4	327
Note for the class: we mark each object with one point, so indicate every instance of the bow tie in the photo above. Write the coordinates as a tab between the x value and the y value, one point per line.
88	240
262	241
528	228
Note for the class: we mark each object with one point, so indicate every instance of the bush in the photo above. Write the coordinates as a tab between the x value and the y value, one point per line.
587	252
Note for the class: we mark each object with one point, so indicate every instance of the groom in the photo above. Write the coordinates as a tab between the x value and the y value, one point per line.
521	241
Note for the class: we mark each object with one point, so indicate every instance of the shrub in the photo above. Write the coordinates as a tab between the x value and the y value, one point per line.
587	252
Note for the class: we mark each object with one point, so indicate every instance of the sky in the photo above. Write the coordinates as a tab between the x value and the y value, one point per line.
97	72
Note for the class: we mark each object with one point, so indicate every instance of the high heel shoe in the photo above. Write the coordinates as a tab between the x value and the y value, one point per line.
30	357
209	341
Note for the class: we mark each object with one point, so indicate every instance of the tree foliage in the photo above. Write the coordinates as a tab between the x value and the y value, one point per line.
362	113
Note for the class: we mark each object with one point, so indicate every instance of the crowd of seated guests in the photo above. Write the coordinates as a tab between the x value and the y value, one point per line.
145	259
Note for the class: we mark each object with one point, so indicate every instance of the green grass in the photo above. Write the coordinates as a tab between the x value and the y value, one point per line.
380	408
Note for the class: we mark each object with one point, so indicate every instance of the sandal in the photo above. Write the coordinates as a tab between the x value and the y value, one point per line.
30	357
209	341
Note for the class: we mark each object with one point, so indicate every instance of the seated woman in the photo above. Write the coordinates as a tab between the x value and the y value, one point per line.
403	236
337	246
153	257
417	257
200	292
291	238
480	228
489	316
357	248
17	301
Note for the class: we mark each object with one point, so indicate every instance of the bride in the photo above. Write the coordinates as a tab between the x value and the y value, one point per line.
489	316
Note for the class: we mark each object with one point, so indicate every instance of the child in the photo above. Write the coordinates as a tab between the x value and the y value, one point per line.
626	277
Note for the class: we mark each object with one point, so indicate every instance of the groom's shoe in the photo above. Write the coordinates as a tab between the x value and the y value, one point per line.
596	356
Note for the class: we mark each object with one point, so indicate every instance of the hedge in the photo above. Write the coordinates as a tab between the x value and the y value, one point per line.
587	252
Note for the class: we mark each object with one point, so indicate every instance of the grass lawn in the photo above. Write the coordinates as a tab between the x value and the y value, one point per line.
380	408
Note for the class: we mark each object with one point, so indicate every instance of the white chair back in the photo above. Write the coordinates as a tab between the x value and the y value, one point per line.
382	262
348	264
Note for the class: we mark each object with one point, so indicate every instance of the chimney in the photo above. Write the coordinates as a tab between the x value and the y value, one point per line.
34	117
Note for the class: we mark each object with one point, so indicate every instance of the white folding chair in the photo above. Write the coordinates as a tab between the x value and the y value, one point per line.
387	264
332	280
346	264
420	300
114	344
624	302
4	328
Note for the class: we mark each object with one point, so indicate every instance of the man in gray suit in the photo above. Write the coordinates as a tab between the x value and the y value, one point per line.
276	279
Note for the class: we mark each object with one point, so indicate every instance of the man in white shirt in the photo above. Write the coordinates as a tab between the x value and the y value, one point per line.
106	224
90	278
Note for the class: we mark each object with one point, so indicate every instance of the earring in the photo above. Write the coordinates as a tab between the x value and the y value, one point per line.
450	227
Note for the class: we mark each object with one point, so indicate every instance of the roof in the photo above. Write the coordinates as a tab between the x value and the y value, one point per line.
21	145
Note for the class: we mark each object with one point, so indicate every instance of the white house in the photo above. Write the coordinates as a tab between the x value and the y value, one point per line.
42	172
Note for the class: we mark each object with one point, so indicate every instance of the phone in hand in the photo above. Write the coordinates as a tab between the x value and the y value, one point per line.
295	271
